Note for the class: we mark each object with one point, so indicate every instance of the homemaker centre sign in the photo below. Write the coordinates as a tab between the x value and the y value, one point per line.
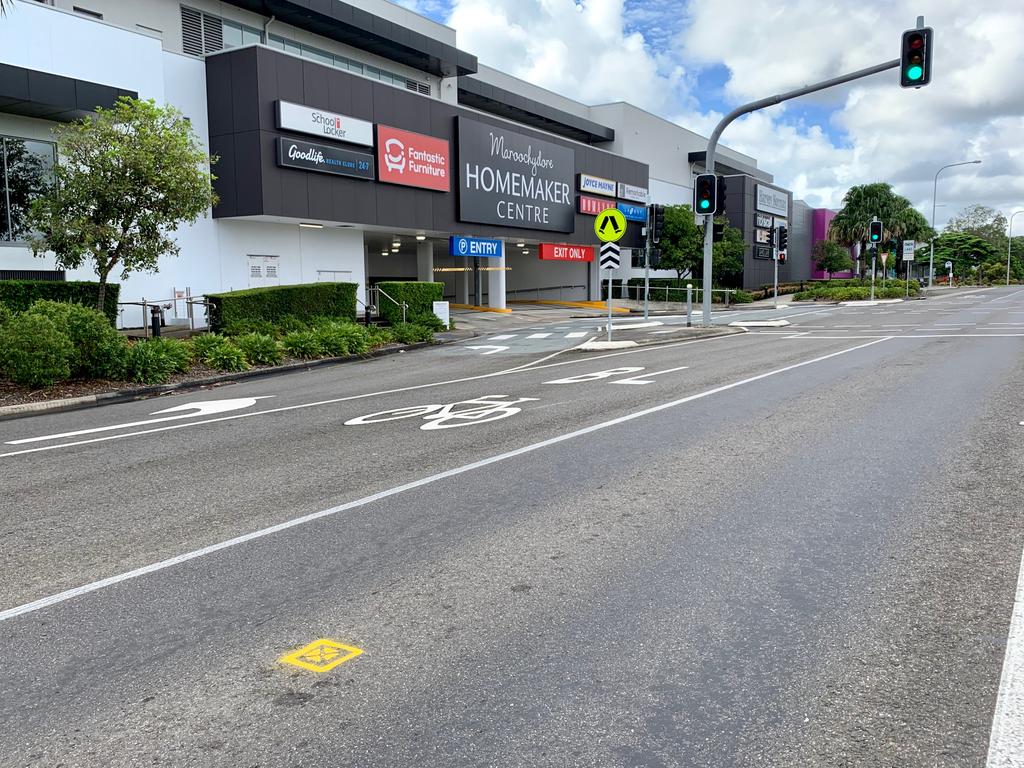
513	180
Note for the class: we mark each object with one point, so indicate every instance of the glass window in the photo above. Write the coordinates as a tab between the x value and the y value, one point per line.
232	35
251	36
317	55
276	42
355	66
26	171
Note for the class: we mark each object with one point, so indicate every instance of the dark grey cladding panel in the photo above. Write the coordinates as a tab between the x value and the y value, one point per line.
53	97
251	183
353	26
488	97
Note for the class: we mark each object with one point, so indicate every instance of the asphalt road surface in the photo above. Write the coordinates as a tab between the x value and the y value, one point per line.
794	546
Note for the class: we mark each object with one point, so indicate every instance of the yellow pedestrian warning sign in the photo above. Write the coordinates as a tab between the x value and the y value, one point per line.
321	655
610	225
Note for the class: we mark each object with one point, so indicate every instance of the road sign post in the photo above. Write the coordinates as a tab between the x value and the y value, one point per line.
908	259
610	226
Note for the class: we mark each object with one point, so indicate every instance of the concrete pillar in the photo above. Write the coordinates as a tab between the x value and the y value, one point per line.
496	283
463	281
425	261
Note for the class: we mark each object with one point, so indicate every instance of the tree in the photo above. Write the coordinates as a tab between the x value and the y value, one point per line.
681	244
128	177
900	221
981	221
831	257
966	251
726	254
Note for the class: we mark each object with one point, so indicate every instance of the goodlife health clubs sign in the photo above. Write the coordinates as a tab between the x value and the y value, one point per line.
292	153
512	180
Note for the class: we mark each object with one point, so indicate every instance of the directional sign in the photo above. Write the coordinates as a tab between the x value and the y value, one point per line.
908	250
949	265
884	257
610	226
609	256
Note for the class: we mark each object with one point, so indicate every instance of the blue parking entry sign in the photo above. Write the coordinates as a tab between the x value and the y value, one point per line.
633	212
476	246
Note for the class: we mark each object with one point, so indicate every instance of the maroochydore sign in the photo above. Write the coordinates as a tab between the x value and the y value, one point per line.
292	153
512	180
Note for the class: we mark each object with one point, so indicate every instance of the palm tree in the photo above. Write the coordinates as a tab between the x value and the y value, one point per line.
4	5
900	220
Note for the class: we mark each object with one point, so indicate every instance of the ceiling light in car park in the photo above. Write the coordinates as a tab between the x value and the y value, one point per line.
310	225
520	245
421	237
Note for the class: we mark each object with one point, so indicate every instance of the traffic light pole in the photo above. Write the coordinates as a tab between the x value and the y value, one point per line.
753	106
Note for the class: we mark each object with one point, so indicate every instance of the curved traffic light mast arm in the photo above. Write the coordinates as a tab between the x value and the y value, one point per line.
753	107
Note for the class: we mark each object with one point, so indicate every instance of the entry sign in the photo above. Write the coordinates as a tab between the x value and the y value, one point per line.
908	250
475	246
609	256
610	226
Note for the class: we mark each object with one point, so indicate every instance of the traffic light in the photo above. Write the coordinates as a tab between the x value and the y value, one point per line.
720	198
771	238
717	233
654	259
705	194
782	257
782	240
875	232
657	218
916	58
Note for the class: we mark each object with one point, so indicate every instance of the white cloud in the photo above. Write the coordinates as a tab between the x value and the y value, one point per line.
974	107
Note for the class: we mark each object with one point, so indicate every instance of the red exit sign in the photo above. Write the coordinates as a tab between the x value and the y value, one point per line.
559	252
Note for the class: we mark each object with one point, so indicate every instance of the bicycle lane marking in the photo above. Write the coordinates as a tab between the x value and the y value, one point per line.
524	368
478	410
110	581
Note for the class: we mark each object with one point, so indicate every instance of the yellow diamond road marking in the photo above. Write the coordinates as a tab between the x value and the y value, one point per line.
321	655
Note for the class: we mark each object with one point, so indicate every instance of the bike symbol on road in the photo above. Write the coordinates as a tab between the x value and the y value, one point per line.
464	413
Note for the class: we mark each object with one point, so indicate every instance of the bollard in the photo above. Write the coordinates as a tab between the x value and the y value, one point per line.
154	320
689	305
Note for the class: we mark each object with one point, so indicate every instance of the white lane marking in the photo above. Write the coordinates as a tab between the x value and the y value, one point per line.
110	581
201	408
672	330
596	375
1008	296
1006	740
494	348
576	335
798	335
538	335
464	413
534	365
502	337
645	379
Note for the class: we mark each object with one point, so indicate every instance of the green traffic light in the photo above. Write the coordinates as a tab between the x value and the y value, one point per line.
705	203
915	73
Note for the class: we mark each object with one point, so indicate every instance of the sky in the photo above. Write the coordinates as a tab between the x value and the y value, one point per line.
690	62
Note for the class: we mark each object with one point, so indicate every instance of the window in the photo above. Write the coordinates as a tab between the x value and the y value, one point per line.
236	35
26	171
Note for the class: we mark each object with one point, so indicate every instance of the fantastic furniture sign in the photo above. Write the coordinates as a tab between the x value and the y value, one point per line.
412	159
513	180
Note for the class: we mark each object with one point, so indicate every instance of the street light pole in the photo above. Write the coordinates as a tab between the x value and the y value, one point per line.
1009	244
935	192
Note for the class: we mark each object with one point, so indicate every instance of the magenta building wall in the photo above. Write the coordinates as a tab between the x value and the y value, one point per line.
819	230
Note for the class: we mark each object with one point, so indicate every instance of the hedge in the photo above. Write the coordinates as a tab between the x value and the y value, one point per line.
419	296
19	295
305	300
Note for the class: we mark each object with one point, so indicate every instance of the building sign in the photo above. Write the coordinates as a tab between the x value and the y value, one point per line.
633	212
772	201
476	246
629	192
764	221
292	153
513	180
762	252
412	159
559	252
597	185
762	235
591	206
326	125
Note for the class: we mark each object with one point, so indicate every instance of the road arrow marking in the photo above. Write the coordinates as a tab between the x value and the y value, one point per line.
646	378
495	348
202	408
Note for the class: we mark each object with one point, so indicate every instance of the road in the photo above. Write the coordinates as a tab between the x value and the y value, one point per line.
794	546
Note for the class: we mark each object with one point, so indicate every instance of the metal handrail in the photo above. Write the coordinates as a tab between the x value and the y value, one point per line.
381	292
652	292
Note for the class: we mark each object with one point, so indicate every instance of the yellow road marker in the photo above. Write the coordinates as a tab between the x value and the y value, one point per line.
321	655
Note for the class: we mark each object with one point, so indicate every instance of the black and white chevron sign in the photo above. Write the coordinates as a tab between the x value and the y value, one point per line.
609	256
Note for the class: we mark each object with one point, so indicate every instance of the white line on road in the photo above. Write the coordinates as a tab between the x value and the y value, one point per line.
538	335
502	337
645	378
110	581
576	335
1006	741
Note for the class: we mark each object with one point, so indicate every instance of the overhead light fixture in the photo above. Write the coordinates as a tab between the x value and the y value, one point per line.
310	225
394	250
421	237
520	245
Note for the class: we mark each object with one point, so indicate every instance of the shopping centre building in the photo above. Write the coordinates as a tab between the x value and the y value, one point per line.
356	142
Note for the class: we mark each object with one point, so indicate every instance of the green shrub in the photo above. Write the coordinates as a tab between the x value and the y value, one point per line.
291	323
243	327
741	297
227	357
303	344
379	337
19	295
408	333
5	314
338	339
304	301
203	345
259	348
151	361
419	296
428	320
179	353
34	351
99	349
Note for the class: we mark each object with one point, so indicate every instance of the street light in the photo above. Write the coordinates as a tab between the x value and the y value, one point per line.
1009	242
935	192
